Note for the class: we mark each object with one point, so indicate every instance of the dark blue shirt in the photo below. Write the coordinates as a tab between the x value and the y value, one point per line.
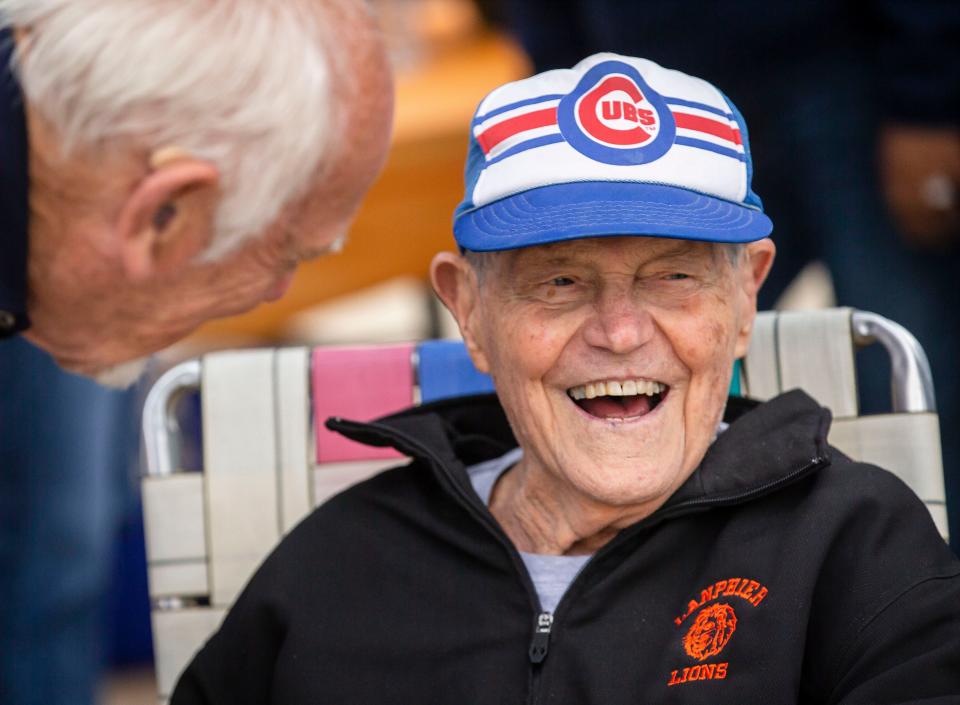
14	189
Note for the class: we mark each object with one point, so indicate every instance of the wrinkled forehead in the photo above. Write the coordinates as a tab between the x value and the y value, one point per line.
627	251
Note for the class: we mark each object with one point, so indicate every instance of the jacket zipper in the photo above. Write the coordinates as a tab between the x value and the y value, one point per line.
539	645
541	638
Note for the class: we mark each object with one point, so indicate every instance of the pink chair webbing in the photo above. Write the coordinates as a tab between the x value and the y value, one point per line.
361	384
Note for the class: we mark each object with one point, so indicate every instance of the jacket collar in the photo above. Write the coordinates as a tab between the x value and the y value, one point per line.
14	185
767	446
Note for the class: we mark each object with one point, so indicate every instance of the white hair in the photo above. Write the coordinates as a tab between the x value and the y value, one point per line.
243	84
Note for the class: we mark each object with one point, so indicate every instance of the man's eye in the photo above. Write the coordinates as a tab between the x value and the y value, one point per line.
676	276
562	281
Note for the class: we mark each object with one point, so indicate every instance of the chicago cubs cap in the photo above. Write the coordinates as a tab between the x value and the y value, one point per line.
614	146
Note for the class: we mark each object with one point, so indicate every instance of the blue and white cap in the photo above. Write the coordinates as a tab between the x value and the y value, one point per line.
613	146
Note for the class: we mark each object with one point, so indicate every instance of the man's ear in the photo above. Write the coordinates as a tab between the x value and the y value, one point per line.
168	218
459	289
754	267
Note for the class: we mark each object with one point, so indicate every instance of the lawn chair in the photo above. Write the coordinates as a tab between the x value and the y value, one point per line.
268	459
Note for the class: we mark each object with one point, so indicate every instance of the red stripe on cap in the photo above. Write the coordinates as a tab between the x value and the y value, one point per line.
495	134
711	127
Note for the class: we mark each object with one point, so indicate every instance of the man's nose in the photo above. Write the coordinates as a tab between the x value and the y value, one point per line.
619	323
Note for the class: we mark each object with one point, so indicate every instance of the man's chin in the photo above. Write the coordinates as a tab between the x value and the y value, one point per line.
121	376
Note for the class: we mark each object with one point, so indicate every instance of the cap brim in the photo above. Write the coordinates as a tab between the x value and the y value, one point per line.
602	209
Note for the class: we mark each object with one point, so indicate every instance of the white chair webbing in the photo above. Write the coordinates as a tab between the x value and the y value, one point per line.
815	350
293	434
175	537
810	350
761	368
240	461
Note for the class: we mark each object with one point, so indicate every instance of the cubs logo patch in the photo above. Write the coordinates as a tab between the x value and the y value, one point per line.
712	627
614	117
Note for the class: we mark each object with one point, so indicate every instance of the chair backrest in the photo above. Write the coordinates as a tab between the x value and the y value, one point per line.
267	458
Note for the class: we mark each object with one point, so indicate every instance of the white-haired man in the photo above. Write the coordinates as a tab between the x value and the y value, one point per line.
182	157
611	528
161	163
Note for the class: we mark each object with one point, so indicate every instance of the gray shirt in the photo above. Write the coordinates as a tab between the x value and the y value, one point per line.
551	575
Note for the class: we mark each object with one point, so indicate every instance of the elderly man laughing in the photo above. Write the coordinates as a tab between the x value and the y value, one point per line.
610	527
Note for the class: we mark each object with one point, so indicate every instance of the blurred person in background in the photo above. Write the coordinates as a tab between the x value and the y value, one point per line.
68	451
854	111
161	164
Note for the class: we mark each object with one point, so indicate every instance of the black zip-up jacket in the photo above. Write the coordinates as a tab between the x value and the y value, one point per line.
781	572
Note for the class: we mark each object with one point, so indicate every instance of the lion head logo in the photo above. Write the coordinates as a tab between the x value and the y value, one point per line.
710	631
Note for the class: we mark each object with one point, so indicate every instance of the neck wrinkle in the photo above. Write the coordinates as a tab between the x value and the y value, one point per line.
549	520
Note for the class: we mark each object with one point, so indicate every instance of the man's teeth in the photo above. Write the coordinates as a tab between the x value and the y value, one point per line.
614	388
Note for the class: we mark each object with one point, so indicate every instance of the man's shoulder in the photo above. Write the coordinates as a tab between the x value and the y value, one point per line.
866	520
854	486
382	513
881	566
370	502
855	521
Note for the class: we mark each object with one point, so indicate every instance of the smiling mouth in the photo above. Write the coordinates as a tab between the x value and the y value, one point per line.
618	399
